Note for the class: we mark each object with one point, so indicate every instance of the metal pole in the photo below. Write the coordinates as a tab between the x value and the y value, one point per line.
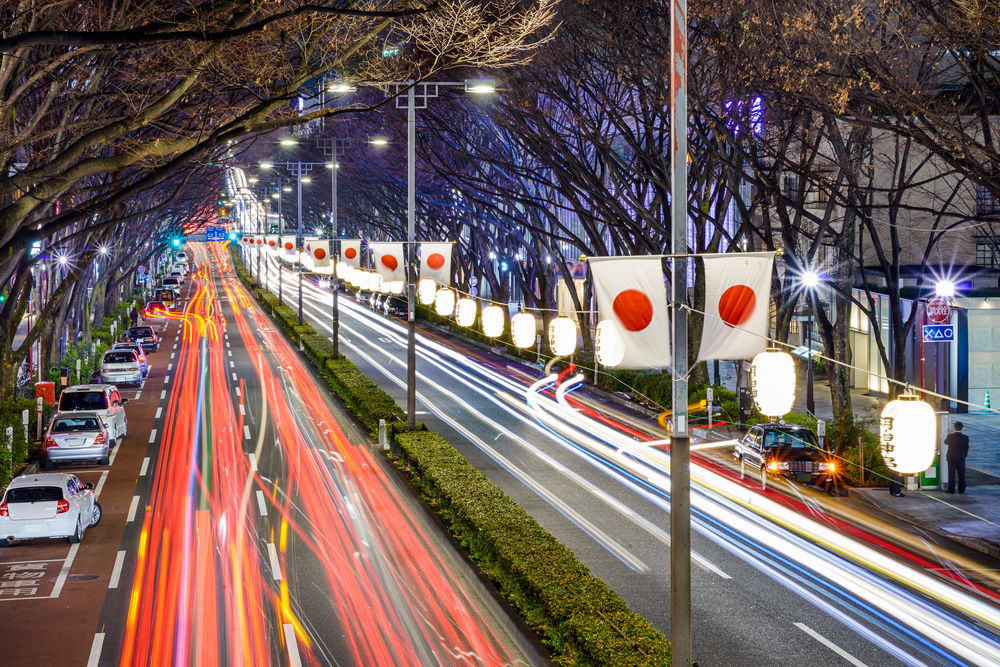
680	443
810	403
335	256
411	216
256	245
298	242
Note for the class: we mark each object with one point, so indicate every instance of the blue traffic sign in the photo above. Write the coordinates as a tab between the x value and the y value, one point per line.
939	333
215	233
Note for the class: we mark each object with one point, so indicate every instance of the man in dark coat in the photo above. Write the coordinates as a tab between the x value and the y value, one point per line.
958	449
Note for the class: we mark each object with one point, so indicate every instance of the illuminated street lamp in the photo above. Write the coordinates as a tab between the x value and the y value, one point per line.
945	288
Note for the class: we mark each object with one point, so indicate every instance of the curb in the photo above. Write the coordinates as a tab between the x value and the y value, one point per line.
991	549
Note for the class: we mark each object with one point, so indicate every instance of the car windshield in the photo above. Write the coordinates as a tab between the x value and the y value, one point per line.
83	400
128	346
790	440
122	357
141	331
75	424
34	494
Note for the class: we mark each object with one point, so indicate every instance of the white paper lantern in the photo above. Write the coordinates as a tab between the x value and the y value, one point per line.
522	328
466	315
343	269
396	287
379	285
426	289
562	336
444	302
493	321
907	434
772	380
609	345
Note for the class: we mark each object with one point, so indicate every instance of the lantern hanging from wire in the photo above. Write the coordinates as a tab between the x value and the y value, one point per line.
908	434
772	381
562	336
426	289
493	321
444	302
342	268
522	329
396	287
609	345
466	314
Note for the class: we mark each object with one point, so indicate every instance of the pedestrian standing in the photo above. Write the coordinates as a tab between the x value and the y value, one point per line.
134	315
958	449
895	485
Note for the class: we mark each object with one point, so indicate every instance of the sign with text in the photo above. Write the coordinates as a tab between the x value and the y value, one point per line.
938	310
215	233
939	333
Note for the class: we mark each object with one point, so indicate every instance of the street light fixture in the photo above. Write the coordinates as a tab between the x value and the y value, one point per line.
379	140
945	288
480	86
287	141
266	165
810	280
342	87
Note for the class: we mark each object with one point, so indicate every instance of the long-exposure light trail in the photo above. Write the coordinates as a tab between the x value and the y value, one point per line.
866	574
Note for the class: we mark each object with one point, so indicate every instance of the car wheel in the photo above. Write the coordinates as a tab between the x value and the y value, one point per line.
105	461
4	544
77	535
49	464
95	515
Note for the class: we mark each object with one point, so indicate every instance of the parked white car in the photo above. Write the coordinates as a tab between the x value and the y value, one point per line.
178	274
121	367
77	436
50	505
103	399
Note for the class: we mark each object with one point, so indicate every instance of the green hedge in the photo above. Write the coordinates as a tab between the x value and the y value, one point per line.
366	401
577	615
11	415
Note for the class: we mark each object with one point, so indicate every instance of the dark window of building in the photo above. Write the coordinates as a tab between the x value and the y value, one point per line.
986	255
986	202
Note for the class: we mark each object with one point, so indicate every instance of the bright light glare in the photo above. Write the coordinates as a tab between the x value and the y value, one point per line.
378	141
341	88
63	259
266	165
945	288
287	141
480	85
287	188
810	279
307	180
103	250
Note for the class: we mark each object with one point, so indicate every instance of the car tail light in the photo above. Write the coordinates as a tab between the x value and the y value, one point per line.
774	465
100	439
49	442
833	467
3	510
62	506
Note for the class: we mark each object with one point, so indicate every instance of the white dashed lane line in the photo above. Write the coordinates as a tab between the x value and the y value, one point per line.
260	503
132	509
275	564
116	573
145	467
152	436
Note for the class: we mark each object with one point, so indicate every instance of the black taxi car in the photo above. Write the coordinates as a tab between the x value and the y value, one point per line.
783	449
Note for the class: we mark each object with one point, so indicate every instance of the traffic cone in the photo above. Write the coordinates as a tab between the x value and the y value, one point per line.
987	406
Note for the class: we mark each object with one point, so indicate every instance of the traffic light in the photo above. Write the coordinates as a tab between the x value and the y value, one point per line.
177	243
233	236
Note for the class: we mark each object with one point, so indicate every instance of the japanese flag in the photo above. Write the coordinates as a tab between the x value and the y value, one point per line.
389	261
288	248
737	299
351	250
630	294
258	241
320	252
435	262
272	244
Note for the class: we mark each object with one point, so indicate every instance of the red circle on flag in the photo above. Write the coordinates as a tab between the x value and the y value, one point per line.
319	253
260	241
736	305
350	253
390	262
435	261
634	309
270	243
309	246
289	245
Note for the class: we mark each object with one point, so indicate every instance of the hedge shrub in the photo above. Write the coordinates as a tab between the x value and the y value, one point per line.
363	398
577	615
11	415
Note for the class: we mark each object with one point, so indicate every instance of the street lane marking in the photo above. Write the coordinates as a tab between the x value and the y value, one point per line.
232	365
114	453
246	432
293	647
275	565
64	572
167	380
95	650
100	484
170	367
830	645
175	346
260	503
138	393
152	436
229	352
117	572
234	377
163	394
238	392
173	354
159	411
253	462
144	468
242	411
132	508
227	342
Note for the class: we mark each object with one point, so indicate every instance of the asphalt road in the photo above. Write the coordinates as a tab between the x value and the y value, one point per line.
247	524
767	589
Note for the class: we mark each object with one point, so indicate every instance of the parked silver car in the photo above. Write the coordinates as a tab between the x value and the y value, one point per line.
137	348
103	399
77	436
121	367
47	505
